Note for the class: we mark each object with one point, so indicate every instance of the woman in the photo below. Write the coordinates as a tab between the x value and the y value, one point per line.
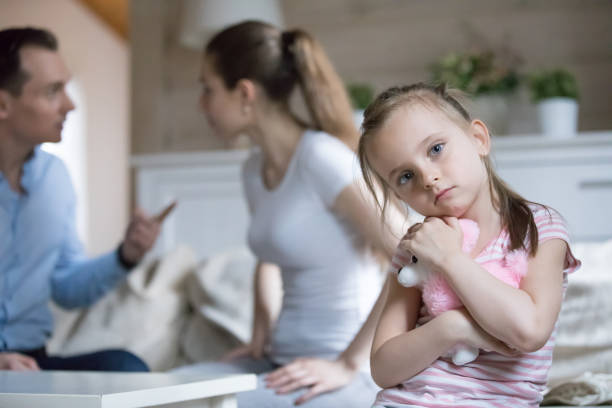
312	229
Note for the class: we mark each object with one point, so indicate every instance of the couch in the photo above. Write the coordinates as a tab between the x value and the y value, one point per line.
175	310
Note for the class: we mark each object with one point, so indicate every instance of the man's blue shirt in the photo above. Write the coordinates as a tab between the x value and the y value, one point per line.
41	256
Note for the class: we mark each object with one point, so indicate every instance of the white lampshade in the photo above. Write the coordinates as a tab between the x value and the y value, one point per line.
202	18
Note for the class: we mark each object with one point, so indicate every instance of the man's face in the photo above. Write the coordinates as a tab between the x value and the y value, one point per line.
37	115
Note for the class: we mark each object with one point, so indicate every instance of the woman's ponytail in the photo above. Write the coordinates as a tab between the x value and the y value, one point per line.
324	92
280	60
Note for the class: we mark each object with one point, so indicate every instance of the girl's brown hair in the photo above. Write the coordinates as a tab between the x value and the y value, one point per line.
278	61
516	215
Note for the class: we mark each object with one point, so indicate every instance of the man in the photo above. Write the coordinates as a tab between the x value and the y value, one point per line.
41	257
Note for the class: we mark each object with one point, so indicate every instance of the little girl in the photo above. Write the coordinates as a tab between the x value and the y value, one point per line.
421	146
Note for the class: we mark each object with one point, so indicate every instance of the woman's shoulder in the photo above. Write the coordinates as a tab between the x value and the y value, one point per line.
322	144
252	165
320	151
326	163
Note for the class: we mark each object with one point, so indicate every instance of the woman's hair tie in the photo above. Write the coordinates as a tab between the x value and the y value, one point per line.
288	43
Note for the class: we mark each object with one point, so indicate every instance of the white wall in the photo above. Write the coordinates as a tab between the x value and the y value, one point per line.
99	59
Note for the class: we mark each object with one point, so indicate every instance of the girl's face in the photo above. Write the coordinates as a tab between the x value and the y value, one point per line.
224	108
431	163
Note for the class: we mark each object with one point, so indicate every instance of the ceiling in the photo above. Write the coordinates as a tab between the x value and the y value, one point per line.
112	12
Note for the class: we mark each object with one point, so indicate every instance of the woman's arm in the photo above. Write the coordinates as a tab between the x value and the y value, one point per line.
268	299
360	208
361	211
267	304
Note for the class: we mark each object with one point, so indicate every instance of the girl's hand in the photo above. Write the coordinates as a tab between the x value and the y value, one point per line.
317	374
462	325
424	316
434	240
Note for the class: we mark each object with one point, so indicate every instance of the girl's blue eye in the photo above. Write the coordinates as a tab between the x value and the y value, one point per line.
437	148
404	178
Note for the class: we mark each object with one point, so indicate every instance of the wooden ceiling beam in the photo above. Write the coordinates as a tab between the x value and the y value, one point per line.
113	12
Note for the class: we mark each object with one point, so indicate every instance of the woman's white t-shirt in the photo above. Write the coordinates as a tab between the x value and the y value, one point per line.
330	278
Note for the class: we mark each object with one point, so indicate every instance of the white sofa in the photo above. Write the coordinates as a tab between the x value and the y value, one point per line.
170	312
177	311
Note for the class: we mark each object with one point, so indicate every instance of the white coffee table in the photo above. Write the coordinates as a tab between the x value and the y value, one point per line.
86	389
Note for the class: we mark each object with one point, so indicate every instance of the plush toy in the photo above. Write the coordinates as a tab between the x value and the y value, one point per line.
438	296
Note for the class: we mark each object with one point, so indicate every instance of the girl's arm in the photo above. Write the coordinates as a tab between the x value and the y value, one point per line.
523	318
400	351
397	349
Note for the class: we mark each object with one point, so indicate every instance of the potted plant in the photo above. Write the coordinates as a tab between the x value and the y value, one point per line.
489	77
360	94
556	93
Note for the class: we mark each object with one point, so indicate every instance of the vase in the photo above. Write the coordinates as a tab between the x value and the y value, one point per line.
493	110
558	117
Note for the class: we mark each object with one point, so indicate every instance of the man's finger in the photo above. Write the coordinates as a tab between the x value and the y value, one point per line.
19	365
165	212
32	364
139	214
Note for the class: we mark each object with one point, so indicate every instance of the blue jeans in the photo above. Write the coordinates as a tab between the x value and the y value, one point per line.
104	360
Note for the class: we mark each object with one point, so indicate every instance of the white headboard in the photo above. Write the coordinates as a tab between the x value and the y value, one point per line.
573	175
211	215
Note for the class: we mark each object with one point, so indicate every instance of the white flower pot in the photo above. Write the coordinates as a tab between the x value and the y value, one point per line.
558	117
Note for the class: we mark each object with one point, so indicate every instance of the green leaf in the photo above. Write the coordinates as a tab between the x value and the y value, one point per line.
552	83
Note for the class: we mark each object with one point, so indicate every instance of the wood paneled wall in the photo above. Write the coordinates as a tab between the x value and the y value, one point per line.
383	42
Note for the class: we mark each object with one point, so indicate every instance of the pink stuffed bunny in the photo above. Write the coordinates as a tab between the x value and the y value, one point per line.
438	295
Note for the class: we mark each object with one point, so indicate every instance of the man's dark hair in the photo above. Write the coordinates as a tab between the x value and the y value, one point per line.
12	40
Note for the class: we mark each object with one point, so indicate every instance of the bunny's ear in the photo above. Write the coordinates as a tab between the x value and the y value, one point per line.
470	234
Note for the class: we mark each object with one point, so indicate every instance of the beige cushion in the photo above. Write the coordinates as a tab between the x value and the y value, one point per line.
221	293
146	314
584	341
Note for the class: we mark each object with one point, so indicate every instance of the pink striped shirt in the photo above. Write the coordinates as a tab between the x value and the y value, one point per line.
492	380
